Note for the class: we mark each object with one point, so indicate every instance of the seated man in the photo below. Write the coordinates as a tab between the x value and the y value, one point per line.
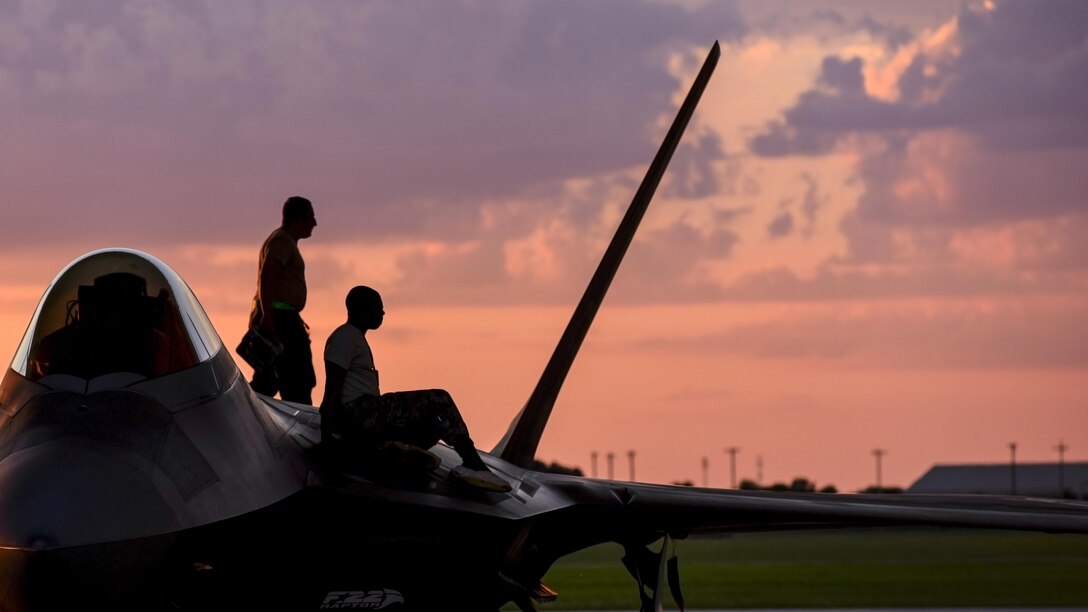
354	412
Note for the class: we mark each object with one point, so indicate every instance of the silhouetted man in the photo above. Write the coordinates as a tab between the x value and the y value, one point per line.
281	296
358	416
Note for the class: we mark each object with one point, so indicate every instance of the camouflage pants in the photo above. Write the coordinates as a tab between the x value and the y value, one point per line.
421	418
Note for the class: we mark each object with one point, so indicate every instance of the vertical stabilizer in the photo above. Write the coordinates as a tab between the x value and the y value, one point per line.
519	444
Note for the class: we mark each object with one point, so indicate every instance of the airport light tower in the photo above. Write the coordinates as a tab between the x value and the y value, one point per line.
1061	448
732	450
1012	466
879	454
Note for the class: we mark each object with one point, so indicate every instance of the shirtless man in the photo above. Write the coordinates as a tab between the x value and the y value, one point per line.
280	298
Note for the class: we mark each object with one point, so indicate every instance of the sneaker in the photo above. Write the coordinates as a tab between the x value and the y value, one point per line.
481	479
410	456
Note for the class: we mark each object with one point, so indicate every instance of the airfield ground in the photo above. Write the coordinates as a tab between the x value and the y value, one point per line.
885	568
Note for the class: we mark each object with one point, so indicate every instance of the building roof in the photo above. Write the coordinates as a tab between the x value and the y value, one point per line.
1033	479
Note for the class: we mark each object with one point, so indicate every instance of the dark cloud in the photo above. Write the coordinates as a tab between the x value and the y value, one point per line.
993	134
889	20
667	259
843	76
781	226
1019	87
692	170
397	118
1017	83
779	139
825	116
974	187
812	201
1024	31
893	35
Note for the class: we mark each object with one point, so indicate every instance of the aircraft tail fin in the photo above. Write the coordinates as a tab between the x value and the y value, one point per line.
519	444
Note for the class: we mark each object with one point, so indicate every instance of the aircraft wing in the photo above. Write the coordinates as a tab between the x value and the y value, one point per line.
681	510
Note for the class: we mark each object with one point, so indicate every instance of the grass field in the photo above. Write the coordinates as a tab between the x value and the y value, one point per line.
915	567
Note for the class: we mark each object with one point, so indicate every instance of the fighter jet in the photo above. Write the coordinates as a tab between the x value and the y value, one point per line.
139	470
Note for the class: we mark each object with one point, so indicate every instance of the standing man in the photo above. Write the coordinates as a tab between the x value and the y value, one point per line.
281	296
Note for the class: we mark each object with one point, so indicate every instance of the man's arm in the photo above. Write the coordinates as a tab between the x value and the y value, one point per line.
331	401
271	273
334	385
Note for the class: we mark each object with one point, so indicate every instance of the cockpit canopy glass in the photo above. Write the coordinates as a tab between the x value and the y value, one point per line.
116	311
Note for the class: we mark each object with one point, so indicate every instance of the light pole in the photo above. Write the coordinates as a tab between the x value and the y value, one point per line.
1061	448
610	457
631	462
593	463
732	450
879	454
706	468
1012	466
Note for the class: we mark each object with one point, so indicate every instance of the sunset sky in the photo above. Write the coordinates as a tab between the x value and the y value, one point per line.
874	234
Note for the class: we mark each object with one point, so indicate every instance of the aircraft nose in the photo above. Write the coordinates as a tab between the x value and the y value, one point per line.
72	491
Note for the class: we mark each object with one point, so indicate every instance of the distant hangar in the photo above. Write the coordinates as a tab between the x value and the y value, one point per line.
1059	480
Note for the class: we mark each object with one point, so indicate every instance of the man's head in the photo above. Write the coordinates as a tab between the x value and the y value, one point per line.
365	307
298	217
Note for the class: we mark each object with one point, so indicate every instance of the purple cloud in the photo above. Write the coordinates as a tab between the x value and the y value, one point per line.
993	134
1017	83
396	118
781	226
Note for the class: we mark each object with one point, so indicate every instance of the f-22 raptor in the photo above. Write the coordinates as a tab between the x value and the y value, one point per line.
139	470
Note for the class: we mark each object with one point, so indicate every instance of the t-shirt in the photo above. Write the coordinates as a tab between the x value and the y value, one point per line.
347	347
290	285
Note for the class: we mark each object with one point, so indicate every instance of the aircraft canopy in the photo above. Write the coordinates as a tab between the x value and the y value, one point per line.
116	310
